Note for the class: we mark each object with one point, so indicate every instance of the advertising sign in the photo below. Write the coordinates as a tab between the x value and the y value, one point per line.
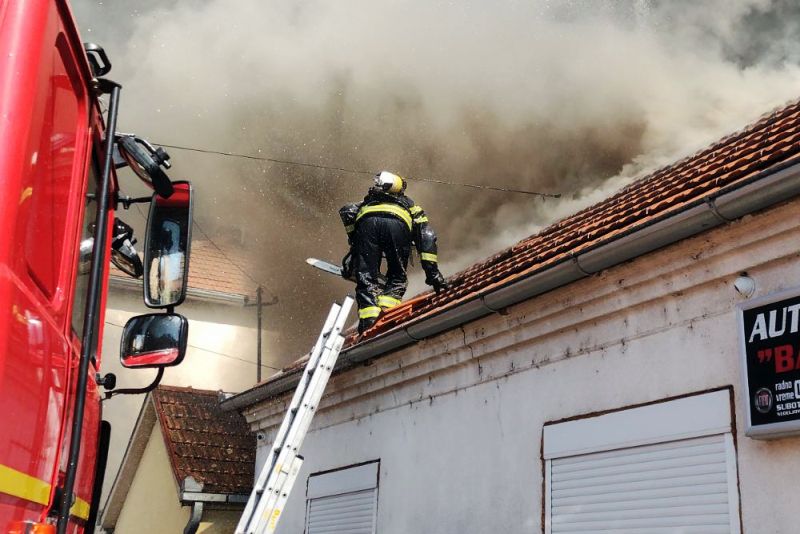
769	333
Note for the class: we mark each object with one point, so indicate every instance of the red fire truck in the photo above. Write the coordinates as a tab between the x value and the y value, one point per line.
59	151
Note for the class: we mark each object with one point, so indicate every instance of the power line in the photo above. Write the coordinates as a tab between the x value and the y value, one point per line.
233	357
264	158
213	351
208	238
358	171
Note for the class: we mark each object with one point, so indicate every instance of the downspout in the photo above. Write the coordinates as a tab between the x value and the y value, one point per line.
194	519
190	484
192	494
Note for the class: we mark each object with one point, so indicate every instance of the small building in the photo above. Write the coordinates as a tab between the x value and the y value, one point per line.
188	467
223	338
588	378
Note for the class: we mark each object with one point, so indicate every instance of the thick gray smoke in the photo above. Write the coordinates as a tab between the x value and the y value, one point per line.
571	97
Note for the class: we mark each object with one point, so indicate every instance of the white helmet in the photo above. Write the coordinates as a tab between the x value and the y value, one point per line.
390	182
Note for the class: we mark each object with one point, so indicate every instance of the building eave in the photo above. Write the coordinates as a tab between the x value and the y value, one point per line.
189	497
192	293
767	188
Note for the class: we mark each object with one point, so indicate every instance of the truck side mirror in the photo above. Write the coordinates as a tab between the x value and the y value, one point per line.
146	161
154	340
166	248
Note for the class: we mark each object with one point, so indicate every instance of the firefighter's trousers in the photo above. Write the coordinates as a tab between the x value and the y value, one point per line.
379	236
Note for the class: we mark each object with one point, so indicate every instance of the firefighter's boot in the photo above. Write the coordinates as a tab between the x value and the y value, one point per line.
366	324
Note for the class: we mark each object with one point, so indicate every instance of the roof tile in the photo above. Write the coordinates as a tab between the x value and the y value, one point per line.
214	447
771	141
211	269
774	139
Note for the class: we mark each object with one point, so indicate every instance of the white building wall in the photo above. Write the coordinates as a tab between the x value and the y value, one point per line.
153	504
456	420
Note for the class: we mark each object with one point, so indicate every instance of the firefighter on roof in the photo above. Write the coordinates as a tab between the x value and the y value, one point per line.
384	225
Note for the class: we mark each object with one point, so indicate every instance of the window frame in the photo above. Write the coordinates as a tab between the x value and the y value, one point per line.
320	493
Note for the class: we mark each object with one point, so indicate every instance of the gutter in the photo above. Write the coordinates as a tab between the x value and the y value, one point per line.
189	497
764	189
207	295
192	493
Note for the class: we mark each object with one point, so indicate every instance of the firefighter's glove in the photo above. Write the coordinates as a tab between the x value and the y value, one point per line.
435	279
348	271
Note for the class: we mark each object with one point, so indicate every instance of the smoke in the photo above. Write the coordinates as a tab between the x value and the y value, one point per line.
571	97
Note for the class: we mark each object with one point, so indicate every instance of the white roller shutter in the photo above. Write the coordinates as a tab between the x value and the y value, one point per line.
349	513
663	468
670	487
343	501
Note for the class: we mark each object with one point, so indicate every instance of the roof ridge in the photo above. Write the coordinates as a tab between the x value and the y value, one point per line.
652	175
185	389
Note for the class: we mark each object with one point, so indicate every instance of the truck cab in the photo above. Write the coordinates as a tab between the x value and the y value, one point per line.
58	198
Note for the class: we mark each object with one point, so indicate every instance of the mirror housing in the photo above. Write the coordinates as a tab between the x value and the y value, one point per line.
166	249
154	340
98	60
146	161
123	253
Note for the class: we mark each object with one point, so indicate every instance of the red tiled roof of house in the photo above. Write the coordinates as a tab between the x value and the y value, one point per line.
212	270
772	141
214	447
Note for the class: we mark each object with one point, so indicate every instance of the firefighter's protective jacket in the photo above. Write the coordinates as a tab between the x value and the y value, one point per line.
378	202
385	225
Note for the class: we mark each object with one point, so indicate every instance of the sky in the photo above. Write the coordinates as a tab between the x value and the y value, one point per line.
572	97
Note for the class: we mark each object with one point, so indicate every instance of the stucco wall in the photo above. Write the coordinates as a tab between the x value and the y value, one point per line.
152	504
219	521
457	420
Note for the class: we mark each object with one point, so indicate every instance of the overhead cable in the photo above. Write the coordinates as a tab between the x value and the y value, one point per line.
357	171
214	352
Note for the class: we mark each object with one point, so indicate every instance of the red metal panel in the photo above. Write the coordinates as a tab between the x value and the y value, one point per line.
55	157
44	125
30	332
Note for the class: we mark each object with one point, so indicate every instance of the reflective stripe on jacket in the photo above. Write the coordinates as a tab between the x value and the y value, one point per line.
392	209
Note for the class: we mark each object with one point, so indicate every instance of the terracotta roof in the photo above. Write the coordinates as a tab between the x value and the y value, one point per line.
211	269
214	447
772	141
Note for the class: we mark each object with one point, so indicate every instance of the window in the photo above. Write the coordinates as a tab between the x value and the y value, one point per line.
81	292
58	116
345	500
664	467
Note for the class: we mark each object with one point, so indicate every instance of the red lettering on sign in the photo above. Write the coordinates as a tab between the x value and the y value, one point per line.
784	358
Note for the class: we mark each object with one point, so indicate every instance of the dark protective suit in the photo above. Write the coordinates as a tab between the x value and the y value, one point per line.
385	225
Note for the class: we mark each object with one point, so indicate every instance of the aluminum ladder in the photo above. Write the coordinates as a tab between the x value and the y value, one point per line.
280	471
